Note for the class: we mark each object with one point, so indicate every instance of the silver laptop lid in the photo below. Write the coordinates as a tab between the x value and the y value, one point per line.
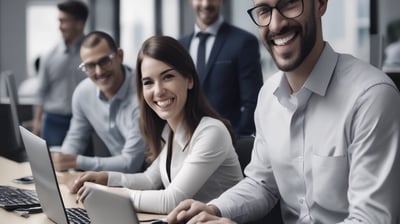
46	183
105	207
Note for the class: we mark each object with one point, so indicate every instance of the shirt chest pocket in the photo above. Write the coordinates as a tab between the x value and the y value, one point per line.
330	181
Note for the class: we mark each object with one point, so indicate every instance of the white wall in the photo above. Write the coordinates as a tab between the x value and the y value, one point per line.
12	38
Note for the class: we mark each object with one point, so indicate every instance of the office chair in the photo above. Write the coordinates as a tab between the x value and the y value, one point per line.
243	148
96	147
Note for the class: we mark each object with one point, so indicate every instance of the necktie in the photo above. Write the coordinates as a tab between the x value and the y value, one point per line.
201	53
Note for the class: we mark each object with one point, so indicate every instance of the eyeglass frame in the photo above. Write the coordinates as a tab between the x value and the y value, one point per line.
249	11
99	63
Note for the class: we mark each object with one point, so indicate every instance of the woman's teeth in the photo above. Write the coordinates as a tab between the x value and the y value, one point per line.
164	103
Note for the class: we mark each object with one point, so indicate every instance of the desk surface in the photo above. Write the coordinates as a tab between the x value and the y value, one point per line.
10	170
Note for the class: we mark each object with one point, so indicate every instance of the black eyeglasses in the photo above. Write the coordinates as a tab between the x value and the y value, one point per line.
104	62
261	14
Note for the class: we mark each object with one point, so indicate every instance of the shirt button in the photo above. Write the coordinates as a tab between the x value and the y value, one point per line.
301	200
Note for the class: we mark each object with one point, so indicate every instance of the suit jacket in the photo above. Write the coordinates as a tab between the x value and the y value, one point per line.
233	76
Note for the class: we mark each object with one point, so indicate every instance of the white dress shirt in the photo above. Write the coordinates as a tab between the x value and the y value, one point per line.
330	152
212	30
202	171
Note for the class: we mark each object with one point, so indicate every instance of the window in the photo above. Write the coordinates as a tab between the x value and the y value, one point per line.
348	32
42	30
137	24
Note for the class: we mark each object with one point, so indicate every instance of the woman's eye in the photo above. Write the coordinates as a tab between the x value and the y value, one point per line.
168	76
147	82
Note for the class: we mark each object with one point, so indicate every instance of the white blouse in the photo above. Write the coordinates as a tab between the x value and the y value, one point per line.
202	171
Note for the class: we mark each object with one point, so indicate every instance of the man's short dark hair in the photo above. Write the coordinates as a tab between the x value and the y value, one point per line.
93	38
76	9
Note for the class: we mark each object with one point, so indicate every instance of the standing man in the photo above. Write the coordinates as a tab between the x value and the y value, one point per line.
328	132
104	103
58	75
228	65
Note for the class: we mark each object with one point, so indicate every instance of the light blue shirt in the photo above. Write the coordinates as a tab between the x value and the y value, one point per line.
58	76
116	122
331	151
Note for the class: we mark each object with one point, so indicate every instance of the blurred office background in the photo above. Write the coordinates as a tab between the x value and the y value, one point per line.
30	27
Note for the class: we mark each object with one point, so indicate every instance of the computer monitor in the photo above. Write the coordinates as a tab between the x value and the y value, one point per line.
12	146
395	76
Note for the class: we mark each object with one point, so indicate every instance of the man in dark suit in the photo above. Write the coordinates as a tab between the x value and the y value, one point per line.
232	74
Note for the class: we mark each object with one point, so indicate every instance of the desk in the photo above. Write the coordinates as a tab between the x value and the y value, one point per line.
10	170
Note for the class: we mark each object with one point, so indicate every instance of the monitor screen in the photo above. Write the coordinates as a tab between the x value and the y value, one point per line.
12	146
395	76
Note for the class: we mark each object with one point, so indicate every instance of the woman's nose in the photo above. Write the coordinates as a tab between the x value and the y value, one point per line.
159	88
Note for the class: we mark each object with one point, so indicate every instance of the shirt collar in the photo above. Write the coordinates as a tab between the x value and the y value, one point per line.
319	78
75	48
180	136
213	29
122	91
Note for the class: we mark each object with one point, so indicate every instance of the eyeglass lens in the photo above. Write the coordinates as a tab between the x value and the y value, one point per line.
288	8
103	62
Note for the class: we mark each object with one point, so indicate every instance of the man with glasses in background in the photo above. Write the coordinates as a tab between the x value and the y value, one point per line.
58	75
327	132
104	103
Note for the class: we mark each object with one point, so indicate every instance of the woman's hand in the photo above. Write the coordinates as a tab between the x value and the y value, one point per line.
87	187
90	176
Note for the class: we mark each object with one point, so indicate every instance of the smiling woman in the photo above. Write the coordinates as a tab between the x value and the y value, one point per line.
189	144
165	90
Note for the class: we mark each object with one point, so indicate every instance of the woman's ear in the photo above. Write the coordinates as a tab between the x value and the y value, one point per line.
190	84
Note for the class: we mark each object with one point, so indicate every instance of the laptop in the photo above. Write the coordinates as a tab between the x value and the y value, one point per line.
46	183
98	206
98	202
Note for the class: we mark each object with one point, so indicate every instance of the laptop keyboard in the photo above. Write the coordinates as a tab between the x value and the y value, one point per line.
77	216
12	198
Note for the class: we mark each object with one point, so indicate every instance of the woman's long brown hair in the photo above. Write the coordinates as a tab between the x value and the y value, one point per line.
171	52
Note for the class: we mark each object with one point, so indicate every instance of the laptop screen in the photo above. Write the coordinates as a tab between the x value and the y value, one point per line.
12	148
46	183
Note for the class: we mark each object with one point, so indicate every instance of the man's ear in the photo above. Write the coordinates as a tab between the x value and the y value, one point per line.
321	6
120	54
81	25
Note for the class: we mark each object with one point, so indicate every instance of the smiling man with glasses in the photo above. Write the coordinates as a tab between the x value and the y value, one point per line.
90	68
327	132
106	104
